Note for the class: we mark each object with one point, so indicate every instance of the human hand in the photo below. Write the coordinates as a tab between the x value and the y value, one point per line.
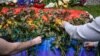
64	23
37	40
90	44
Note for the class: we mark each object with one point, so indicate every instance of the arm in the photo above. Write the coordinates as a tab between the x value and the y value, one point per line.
7	48
89	31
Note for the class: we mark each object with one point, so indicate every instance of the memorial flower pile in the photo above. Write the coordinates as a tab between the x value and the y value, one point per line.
22	24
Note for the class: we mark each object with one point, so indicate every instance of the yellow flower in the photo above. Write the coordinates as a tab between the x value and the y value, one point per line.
29	21
60	2
65	5
66	1
9	21
0	26
58	21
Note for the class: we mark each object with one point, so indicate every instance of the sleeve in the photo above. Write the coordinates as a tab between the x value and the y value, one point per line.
87	32
96	44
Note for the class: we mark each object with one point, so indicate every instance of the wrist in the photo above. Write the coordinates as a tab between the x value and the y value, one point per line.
70	29
33	42
64	24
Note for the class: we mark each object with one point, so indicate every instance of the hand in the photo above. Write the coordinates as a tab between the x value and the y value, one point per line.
37	40
90	44
63	23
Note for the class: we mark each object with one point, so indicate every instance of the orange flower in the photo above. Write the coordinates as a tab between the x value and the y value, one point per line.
9	21
5	26
44	18
33	26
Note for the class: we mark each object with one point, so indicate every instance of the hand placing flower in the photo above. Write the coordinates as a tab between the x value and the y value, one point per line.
37	40
90	44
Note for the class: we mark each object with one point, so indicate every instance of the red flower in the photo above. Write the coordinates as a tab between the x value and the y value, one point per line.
39	5
75	14
17	10
4	10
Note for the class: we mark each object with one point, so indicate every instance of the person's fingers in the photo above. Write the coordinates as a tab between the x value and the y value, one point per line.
64	23
88	44
39	37
37	40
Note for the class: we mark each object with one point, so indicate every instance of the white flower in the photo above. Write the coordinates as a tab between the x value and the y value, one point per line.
60	2
14	1
66	1
50	5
